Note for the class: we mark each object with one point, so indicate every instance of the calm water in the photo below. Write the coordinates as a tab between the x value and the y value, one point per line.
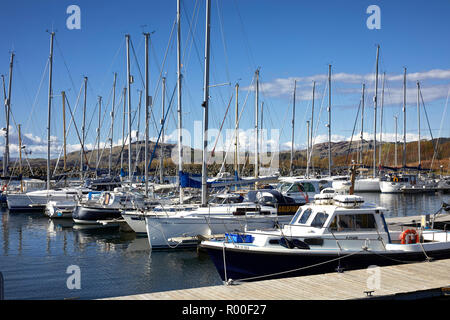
35	253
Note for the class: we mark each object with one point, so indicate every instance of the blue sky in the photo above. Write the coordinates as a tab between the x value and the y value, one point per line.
286	39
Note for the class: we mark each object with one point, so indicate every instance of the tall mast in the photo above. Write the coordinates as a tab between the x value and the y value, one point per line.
83	126
205	106
362	124
161	148
395	149
256	124
307	149
381	119
404	118
112	125
138	143
147	106
98	131
130	171
20	158
312	125
8	112
418	120
63	94
179	111
293	129
123	125
236	130
375	98
329	120
50	74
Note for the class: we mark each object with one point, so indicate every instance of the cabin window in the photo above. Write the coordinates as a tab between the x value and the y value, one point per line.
352	222
304	216
308	187
299	212
296	188
319	220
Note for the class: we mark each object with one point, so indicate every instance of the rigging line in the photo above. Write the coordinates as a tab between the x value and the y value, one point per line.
221	126
353	132
440	129
68	129
65	64
36	97
246	41
318	120
219	14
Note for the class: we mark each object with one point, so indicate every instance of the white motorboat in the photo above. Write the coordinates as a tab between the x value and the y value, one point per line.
405	183
334	233
260	209
302	189
37	200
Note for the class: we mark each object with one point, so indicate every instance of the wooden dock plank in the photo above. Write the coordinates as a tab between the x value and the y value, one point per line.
403	278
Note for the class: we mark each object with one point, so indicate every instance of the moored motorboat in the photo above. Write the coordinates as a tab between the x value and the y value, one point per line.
334	233
260	209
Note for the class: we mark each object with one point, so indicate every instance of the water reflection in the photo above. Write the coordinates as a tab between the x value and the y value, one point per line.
36	252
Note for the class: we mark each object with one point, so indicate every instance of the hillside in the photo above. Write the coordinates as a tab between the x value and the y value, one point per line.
342	154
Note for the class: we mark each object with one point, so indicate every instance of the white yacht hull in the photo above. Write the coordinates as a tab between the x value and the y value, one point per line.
30	202
391	186
367	185
160	230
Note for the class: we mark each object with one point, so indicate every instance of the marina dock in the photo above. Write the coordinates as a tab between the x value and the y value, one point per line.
406	281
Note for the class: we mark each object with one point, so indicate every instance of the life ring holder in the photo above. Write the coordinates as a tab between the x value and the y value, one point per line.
408	233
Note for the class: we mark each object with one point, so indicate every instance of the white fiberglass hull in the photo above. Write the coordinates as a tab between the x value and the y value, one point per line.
391	186
367	185
161	229
29	202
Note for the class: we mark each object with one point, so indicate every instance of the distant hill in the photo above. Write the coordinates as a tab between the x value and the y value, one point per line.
342	154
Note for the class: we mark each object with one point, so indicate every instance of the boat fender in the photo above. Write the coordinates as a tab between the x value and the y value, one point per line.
409	236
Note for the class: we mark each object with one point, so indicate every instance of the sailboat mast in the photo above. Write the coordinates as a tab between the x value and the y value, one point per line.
375	102
179	111
205	106
395	149
130	171
50	74
418	121
20	157
256	171
310	157
161	148
83	135
329	120
236	132
362	123
293	130
63	94
98	130
147	106
404	118
112	125
8	112
381	119
307	149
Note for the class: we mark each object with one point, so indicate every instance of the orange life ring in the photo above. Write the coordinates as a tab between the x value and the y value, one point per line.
395	179
409	236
